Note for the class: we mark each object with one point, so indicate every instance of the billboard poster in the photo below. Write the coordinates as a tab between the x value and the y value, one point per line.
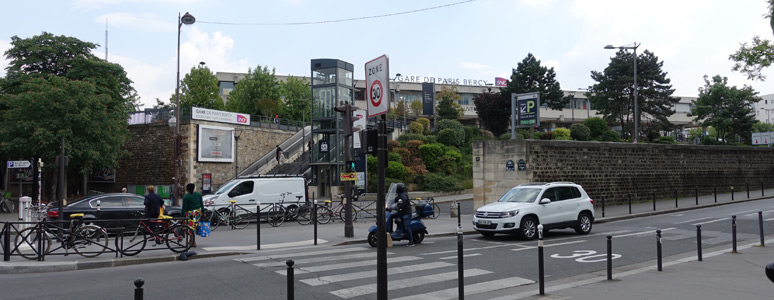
103	175
428	103
528	109
216	144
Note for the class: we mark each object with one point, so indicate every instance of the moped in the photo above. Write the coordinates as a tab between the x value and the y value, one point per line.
418	228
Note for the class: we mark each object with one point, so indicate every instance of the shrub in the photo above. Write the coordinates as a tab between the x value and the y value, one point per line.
470	133
430	153
611	136
403	138
562	134
392	144
395	169
504	136
665	140
598	127
548	135
449	137
485	133
425	125
456	126
580	132
449	162
403	153
413	147
437	183
416	128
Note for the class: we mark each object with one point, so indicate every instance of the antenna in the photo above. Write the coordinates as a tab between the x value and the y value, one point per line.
106	39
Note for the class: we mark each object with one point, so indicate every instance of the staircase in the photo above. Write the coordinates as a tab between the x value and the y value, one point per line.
295	158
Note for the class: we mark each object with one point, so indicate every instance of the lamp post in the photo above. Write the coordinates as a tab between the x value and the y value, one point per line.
404	111
237	133
636	105
186	19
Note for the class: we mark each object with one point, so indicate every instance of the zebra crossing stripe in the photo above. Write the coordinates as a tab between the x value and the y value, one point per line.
372	273
300	254
300	269
765	212
266	246
302	261
406	283
471	289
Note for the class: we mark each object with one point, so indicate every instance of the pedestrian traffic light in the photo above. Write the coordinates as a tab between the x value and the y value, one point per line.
351	166
348	121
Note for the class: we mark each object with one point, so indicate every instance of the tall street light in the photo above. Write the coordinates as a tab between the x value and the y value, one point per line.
186	19
636	106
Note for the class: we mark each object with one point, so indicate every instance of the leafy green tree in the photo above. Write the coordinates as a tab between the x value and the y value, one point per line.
416	108
297	94
256	94
613	94
199	88
752	59
448	105
494	111
725	108
762	127
457	137
597	125
55	88
529	76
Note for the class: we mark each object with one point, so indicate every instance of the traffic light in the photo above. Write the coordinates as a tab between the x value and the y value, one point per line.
351	166
348	121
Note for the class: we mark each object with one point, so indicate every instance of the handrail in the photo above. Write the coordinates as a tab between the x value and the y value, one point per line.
290	147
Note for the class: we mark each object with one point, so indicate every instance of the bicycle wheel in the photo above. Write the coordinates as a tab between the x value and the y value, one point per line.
27	243
179	238
132	244
8	206
304	215
291	212
343	213
324	214
241	218
275	216
90	240
216	217
436	211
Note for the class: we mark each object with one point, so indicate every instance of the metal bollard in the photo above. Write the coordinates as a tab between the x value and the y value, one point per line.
654	201
603	207
7	242
541	270
696	193
314	220
460	265
675	198
760	227
732	193
658	248
138	283
715	192
748	190
258	227
762	189
609	257
733	233
698	240
290	263
630	204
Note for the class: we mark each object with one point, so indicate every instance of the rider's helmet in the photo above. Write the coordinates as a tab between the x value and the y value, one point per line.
400	188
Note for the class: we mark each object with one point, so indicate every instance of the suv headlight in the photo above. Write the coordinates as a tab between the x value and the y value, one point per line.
509	214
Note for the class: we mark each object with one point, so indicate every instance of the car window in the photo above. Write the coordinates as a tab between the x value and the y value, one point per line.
243	188
565	193
575	192
108	202
132	201
526	195
550	194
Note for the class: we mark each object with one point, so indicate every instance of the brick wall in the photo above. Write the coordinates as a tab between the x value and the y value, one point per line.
614	170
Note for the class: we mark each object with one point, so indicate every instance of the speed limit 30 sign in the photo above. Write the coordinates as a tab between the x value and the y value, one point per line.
377	85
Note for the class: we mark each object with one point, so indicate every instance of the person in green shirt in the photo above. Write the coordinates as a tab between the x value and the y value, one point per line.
192	207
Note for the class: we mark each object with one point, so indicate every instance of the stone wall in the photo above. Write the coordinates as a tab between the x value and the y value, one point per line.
615	170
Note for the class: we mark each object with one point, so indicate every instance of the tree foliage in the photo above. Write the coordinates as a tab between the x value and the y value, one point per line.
296	96
448	105
597	125
613	94
199	88
416	107
752	59
494	111
727	109
253	94
529	76
56	89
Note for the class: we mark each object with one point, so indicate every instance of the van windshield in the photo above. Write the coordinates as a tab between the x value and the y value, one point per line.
527	195
226	187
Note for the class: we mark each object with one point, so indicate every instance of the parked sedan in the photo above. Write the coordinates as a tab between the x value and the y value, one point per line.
112	206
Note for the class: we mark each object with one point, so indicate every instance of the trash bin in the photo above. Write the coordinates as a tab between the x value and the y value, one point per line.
453	211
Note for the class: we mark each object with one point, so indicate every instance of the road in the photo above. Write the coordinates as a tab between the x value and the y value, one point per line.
501	266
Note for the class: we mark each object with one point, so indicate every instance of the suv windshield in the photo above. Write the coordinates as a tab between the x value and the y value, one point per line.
526	195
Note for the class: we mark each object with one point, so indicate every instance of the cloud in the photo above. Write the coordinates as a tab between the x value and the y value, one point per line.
141	22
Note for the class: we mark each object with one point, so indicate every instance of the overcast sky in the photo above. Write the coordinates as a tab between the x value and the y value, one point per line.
477	40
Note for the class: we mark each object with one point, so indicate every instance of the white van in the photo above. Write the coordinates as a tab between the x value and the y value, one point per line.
248	191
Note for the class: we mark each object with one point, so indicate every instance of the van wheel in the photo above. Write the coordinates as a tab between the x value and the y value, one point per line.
528	228
584	223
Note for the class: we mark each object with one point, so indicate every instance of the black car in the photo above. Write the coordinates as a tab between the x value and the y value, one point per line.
113	206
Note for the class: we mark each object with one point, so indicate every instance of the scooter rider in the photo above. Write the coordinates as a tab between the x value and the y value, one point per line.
403	206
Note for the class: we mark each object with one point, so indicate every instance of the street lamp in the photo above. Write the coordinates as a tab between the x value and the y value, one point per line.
404	112
636	107
237	133
186	19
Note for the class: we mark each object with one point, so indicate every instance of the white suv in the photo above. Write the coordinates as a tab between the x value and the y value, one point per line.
556	205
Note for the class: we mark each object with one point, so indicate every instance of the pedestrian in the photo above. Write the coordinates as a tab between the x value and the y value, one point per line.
153	205
123	189
192	208
279	154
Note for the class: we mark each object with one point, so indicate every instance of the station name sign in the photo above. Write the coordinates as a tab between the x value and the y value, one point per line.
205	114
439	80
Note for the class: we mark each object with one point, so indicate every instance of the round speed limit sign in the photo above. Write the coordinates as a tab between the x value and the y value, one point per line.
376	93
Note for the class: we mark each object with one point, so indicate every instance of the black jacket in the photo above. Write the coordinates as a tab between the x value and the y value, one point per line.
153	205
403	204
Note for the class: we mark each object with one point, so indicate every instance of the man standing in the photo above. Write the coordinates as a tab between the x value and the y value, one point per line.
153	203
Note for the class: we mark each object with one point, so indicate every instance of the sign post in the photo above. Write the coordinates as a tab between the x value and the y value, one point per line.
18	164
527	108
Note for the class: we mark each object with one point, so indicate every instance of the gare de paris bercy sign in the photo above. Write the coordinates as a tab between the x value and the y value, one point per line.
499	82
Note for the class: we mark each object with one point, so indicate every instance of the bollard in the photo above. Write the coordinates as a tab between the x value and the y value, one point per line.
258	227
541	271
732	193
762	189
658	248
698	240
453	209
7	242
314	221
715	192
675	198
603	207
460	265
748	190
733	233
654	201
99	213
609	257
290	263
696	193
459	215
760	227
630	204
138	288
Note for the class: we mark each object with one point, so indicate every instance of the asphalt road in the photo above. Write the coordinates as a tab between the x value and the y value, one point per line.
494	267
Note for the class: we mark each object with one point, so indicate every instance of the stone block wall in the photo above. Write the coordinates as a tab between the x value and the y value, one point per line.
613	171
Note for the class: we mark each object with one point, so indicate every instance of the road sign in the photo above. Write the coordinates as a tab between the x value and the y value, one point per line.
15	164
348	176
378	85
528	109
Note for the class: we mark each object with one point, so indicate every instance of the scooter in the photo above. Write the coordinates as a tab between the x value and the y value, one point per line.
418	228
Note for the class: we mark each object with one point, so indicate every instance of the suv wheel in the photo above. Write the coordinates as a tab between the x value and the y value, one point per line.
584	223
528	228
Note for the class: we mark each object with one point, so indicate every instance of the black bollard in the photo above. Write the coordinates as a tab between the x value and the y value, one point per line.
603	207
654	201
314	220
760	227
732	193
762	189
630	204
609	257
696	192
675	198
460	265
541	271
658	248
733	233
290	263
715	192
138	288
698	240
748	190
7	242
258	225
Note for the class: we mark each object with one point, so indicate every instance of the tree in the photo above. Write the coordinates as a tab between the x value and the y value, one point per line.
258	85
416	108
448	105
199	88
529	76
613	94
728	109
494	111
56	89
296	95
751	60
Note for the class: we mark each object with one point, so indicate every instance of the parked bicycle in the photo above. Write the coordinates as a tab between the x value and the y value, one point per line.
234	215
6	204
88	240
177	236
279	213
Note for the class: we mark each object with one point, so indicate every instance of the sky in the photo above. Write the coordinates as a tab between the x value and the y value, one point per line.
460	39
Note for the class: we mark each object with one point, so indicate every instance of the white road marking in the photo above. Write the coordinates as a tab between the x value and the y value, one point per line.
713	221
549	245
471	289
372	273
300	269
694	220
406	283
464	255
266	246
643	233
300	254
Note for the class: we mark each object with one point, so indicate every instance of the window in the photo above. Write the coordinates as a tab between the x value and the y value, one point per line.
107	202
565	193
550	194
242	189
134	201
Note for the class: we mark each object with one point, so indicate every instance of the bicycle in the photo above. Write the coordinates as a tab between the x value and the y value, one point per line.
88	240
305	212
436	209
177	236
6	204
234	216
278	213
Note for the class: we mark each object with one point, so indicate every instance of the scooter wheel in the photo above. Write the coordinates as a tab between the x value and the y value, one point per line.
419	237
373	239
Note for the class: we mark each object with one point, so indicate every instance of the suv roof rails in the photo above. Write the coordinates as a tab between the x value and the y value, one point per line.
546	183
562	182
533	183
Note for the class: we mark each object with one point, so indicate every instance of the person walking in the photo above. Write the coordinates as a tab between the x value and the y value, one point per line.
279	154
192	208
153	205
